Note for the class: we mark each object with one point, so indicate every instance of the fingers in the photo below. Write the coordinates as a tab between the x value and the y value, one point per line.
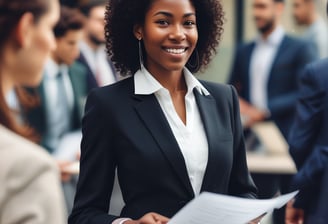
153	218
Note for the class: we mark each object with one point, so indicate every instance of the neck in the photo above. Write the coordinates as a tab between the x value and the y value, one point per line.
6	83
173	80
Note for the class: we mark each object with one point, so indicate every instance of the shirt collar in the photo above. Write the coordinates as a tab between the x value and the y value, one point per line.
146	84
274	38
52	68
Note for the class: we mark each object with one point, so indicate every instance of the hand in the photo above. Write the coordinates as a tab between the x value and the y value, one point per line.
293	215
64	176
251	113
149	218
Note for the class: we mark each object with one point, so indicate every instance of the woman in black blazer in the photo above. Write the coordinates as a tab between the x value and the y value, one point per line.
169	135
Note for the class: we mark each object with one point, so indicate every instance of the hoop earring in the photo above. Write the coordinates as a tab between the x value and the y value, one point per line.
193	62
140	54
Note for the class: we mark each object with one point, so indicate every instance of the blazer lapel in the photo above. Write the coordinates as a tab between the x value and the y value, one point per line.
154	119
248	57
283	46
208	112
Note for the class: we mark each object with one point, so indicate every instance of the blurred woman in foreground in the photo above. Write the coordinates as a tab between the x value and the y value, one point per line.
30	190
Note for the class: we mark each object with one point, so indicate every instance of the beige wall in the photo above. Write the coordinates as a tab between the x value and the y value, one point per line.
219	68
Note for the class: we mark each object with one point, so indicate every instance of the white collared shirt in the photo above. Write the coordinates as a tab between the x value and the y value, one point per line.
191	137
52	69
260	66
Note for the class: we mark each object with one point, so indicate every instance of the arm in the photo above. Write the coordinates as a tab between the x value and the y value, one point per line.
304	54
97	166
308	118
241	183
34	193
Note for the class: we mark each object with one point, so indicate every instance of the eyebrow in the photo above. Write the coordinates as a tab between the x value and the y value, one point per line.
171	15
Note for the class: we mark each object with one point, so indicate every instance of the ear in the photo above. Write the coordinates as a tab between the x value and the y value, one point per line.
137	31
23	30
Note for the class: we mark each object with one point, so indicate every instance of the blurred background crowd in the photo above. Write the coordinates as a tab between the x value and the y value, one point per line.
265	49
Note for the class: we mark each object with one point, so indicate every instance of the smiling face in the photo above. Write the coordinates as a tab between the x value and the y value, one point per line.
169	35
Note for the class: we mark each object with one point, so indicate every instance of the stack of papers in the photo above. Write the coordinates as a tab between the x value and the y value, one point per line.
213	208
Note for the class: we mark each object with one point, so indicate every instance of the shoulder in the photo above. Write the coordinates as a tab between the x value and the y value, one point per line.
21	160
122	87
295	42
115	93
245	47
316	71
220	91
78	67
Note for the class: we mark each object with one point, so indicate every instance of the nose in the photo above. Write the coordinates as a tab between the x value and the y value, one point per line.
177	33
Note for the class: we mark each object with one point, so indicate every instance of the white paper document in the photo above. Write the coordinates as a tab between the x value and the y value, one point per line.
213	208
69	146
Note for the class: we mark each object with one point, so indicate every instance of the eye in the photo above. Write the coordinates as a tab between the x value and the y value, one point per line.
162	22
189	23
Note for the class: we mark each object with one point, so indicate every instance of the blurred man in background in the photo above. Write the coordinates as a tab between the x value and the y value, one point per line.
93	50
305	14
265	73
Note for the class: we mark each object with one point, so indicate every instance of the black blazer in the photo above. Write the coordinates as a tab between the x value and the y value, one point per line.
309	143
130	132
91	80
288	63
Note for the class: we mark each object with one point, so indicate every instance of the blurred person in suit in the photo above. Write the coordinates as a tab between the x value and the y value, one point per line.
93	55
62	92
309	148
265	73
169	135
306	14
30	190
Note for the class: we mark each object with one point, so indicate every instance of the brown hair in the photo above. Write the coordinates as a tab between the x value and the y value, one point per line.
70	19
10	14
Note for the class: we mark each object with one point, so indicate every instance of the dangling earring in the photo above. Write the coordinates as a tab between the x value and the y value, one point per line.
140	53
193	62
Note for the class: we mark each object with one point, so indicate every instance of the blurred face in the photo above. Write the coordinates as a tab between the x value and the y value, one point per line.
169	35
301	11
67	50
39	41
265	13
95	25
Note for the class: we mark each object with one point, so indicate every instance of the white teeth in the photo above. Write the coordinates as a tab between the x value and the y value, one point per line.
175	51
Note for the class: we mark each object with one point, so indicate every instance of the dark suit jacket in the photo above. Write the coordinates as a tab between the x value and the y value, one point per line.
37	116
308	137
130	132
91	80
291	56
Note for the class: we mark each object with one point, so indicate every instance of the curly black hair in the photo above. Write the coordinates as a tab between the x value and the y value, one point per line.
122	46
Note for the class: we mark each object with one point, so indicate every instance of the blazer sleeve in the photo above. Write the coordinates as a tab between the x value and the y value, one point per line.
285	103
32	191
97	165
309	114
241	183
